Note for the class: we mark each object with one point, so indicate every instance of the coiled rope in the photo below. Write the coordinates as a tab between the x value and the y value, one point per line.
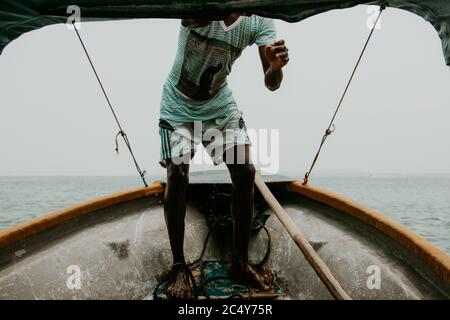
195	289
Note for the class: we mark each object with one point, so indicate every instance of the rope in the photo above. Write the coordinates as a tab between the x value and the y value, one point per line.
121	131
234	295
330	129
201	287
190	278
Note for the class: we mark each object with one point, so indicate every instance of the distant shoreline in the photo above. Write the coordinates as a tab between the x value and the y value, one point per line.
286	173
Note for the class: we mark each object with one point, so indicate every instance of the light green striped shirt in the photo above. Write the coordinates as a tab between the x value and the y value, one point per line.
204	60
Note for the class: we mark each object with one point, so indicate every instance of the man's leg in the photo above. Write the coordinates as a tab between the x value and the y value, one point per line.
243	178
175	211
175	206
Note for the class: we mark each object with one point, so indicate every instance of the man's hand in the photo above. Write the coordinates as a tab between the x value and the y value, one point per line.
273	57
277	55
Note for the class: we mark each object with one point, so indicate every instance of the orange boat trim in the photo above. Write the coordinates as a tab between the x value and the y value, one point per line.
434	258
33	227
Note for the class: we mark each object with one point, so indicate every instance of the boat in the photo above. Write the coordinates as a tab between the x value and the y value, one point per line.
120	248
116	247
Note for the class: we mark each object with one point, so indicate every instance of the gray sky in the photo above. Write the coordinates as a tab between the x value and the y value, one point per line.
54	120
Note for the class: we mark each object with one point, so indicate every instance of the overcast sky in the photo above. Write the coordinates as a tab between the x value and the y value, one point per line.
54	120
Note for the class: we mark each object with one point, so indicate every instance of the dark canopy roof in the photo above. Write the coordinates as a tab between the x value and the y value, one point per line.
20	16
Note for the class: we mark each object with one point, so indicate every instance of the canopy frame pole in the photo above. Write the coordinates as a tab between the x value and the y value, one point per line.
321	269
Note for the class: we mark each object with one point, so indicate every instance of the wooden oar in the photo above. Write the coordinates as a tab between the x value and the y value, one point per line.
324	273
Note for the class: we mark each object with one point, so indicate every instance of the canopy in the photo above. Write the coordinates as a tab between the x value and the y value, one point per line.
20	16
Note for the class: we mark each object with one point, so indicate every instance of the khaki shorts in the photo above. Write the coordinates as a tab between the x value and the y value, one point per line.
217	135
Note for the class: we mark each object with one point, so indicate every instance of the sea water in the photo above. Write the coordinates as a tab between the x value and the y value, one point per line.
420	203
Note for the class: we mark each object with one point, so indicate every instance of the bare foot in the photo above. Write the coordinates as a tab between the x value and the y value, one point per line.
179	284
245	273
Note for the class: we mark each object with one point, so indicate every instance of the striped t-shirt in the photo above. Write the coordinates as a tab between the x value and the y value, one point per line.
203	62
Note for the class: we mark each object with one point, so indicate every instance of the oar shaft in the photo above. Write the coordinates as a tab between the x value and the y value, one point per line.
308	251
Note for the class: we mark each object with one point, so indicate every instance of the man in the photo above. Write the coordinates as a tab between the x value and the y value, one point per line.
196	91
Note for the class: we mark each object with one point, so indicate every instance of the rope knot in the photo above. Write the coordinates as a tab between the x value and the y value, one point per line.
330	130
306	179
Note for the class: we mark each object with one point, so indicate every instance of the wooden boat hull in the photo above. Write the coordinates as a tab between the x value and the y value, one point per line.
118	246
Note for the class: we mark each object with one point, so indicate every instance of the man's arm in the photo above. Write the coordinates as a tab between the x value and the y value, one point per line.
273	58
